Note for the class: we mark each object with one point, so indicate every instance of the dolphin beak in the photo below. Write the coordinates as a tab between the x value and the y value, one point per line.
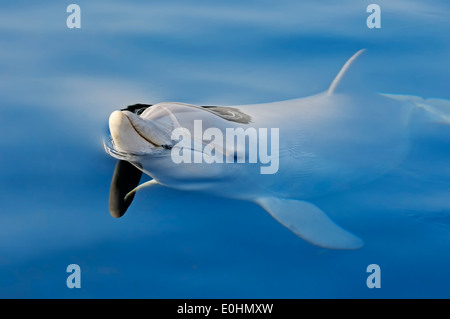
131	133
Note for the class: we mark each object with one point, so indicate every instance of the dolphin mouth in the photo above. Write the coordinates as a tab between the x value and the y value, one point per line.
141	134
112	150
133	136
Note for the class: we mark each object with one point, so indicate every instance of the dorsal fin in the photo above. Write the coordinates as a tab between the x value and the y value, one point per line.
342	72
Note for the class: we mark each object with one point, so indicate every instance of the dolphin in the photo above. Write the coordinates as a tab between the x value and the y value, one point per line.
327	142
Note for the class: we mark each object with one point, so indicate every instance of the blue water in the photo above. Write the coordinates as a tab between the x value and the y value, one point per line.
59	85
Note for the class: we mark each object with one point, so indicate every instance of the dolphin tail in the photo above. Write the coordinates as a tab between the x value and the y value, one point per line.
437	109
310	223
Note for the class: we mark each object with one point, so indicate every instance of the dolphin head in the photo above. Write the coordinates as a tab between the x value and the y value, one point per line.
142	134
134	134
141	137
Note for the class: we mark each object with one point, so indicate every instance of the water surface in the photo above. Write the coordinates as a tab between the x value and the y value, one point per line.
59	85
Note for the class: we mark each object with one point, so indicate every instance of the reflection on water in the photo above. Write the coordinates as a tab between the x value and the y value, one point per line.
58	87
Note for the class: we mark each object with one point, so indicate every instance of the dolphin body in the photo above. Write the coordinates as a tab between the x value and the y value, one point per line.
328	142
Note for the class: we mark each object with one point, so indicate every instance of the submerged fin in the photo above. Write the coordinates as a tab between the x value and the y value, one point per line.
310	223
439	109
138	188
126	177
341	73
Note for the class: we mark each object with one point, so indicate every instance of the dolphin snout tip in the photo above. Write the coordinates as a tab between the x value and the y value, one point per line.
132	134
121	129
119	121
116	119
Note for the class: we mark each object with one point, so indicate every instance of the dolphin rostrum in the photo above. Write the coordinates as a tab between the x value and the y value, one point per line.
318	144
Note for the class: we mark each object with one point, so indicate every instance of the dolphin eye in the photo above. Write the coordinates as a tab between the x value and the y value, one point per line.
137	108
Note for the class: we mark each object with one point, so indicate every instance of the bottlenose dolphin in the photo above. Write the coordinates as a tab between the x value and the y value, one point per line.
327	142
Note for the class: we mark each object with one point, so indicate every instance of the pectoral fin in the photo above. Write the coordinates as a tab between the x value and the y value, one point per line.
310	223
138	188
